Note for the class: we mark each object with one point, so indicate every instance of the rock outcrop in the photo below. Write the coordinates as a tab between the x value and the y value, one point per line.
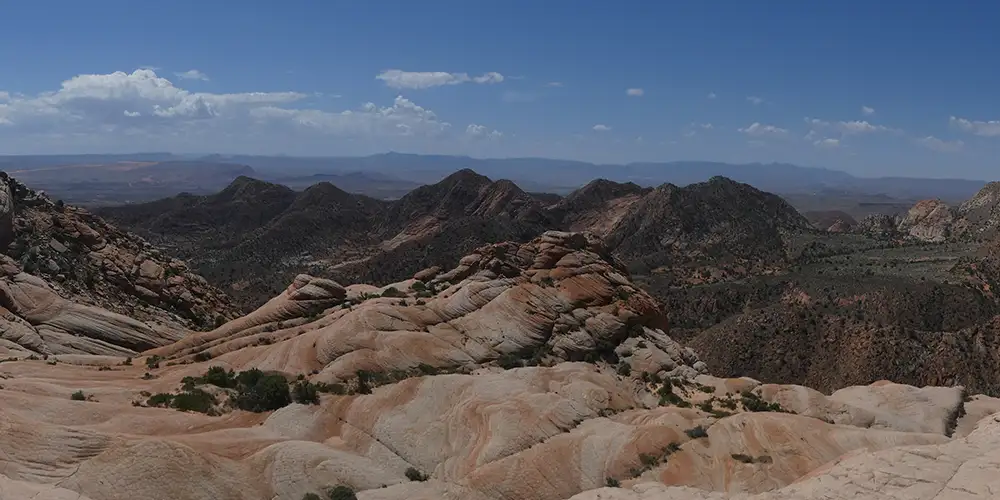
529	370
930	220
89	261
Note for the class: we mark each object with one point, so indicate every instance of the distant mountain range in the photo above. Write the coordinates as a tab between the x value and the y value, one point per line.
391	175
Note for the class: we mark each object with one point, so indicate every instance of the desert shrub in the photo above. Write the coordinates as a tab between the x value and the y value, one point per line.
508	361
78	396
624	369
392	292
415	475
202	356
739	457
696	432
418	286
193	400
612	483
304	392
153	361
259	392
338	389
341	493
752	402
648	460
311	496
162	400
219	377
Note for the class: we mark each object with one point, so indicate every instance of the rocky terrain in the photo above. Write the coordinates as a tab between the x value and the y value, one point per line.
533	370
71	283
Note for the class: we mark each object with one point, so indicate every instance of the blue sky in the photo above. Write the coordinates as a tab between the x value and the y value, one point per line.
873	88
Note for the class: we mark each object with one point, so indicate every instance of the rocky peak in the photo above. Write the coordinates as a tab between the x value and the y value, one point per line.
83	259
929	220
982	211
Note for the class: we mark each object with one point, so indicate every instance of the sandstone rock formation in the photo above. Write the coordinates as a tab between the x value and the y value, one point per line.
85	260
527	371
929	220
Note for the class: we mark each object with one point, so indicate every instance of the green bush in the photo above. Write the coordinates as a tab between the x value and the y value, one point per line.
258	392
341	493
193	400
624	369
508	361
153	361
612	483
305	392
415	475
162	400
418	286
78	396
219	377
392	292
311	496
202	356
696	432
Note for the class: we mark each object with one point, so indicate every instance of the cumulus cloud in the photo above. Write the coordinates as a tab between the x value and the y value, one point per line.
399	79
403	118
4	96
635	92
115	105
482	131
754	100
935	144
757	129
848	127
860	127
600	127
867	111
981	128
192	74
828	143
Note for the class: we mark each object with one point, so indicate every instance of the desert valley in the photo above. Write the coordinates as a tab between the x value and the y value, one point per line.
472	340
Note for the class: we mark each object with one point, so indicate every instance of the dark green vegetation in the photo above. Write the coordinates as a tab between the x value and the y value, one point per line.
846	309
251	390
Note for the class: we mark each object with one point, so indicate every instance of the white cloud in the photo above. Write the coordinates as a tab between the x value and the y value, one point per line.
754	100
757	129
849	127
711	95
706	126
399	79
867	111
981	128
101	109
634	92
403	118
482	131
860	127
4	96
554	84
828	143
933	143
600	127
192	74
